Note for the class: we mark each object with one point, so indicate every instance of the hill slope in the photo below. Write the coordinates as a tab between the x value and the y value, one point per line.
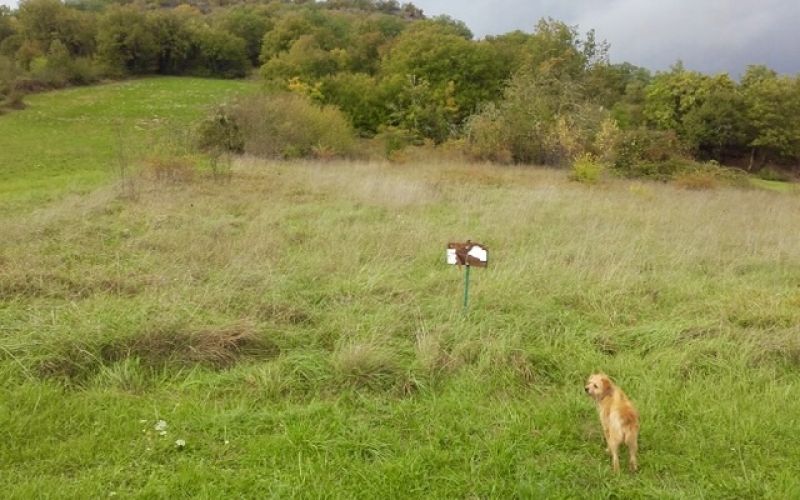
70	140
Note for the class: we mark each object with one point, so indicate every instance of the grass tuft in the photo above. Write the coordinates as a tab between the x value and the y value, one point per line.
366	366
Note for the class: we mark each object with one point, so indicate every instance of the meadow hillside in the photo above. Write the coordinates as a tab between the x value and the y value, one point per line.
295	325
73	140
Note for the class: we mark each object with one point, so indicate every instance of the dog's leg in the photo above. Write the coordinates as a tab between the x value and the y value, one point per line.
633	447
605	433
613	446
615	458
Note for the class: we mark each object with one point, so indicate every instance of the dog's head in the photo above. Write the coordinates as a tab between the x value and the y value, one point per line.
598	386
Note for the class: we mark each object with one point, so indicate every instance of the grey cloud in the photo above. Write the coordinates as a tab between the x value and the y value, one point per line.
708	35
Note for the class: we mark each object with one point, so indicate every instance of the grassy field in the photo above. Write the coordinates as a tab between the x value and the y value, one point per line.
297	327
70	141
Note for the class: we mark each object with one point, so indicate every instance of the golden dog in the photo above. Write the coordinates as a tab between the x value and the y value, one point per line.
618	416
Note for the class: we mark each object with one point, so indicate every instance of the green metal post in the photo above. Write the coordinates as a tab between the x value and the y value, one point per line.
466	289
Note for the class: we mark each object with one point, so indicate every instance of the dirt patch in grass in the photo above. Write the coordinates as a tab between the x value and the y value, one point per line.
57	286
283	313
697	332
780	349
217	349
605	345
73	365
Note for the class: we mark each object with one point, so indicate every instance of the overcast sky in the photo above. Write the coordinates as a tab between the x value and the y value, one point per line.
708	35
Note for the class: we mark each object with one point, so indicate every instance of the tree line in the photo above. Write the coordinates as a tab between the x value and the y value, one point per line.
546	96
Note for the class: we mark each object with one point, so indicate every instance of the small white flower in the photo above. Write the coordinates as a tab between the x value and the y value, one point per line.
227	442
180	443
161	426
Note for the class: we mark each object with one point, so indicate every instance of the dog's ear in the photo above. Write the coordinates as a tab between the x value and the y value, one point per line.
606	385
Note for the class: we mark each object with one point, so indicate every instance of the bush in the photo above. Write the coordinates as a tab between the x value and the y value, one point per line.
58	68
696	180
586	169
8	73
540	120
83	71
487	139
648	153
279	126
709	175
605	141
772	174
563	142
357	96
219	132
394	140
726	175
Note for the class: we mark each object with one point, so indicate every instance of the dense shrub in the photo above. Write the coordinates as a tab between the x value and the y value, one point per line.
773	174
708	175
648	153
219	132
696	180
541	120
357	95
487	137
280	125
58	68
394	139
586	169
8	73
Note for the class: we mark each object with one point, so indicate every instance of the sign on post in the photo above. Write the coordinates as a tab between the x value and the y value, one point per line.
467	254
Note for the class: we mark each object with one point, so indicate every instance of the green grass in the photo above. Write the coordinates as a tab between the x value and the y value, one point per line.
298	328
70	140
779	186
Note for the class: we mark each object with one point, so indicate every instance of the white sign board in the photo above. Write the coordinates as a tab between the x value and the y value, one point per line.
469	254
452	259
479	253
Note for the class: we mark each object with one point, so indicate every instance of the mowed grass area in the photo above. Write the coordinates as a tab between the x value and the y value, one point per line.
72	140
298	328
779	186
